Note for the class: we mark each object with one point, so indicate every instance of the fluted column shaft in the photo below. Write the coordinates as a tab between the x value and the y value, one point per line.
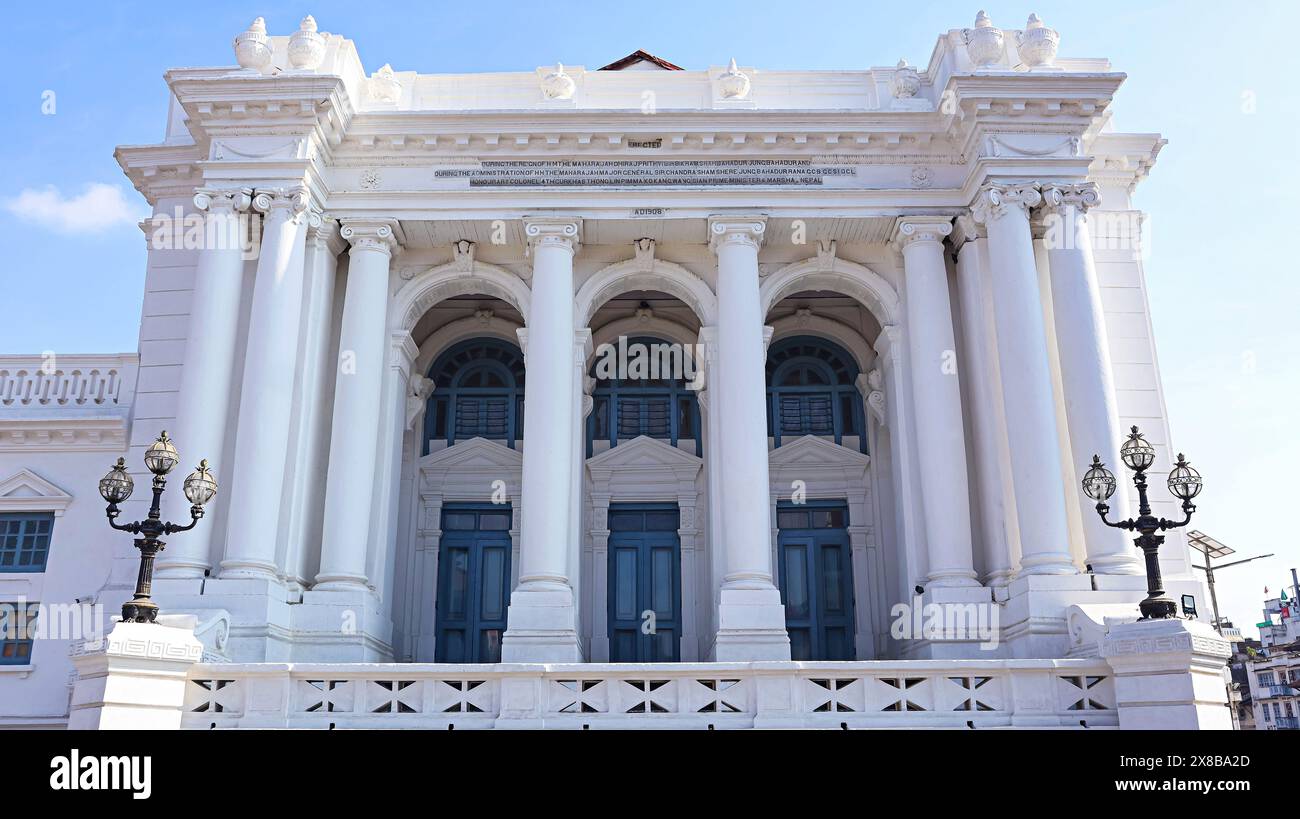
1026	379
266	396
358	402
936	394
207	374
1087	378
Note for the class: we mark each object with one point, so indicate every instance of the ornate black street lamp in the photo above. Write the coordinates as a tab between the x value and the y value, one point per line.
116	487
1185	484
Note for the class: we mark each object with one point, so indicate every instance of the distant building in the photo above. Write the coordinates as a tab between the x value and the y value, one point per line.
1273	671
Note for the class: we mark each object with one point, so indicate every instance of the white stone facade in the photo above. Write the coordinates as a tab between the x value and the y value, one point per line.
963	232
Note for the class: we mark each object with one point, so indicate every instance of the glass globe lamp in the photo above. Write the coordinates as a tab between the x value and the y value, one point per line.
1136	453
1098	481
200	486
161	456
117	485
1184	481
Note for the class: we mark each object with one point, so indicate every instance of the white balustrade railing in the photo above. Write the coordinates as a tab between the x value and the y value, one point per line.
882	694
64	381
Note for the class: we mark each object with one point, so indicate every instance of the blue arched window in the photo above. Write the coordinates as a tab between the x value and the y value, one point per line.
811	391
665	407
478	393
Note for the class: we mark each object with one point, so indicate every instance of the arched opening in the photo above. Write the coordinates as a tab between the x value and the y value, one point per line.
651	395
811	390
478	392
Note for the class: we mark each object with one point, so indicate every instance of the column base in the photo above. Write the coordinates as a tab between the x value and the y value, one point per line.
541	625
1169	675
1117	565
1034	615
1049	564
952	623
340	582
751	626
248	570
180	570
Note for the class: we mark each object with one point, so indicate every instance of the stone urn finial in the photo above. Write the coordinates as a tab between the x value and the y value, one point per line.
733	84
984	42
252	49
906	82
384	85
1038	43
558	85
306	46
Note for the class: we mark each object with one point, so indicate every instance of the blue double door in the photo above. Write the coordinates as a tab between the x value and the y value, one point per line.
644	573
473	584
816	576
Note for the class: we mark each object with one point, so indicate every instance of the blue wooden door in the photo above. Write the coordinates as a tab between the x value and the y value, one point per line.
645	606
816	575
473	584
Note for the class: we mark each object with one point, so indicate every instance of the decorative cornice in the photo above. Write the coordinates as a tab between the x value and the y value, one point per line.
745	230
1080	197
553	231
993	201
105	433
371	234
910	230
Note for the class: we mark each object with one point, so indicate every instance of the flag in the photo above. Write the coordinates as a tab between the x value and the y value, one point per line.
1284	594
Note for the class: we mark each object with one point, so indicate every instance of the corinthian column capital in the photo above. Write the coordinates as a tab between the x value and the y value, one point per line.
747	230
1081	197
996	200
370	234
910	230
553	231
226	200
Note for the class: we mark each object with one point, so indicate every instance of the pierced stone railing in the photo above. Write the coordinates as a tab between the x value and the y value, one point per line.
884	694
63	381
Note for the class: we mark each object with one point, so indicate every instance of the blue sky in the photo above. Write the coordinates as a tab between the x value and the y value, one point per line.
1215	79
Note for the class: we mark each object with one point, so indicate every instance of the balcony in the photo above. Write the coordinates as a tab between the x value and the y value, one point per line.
1286	724
1271	691
878	694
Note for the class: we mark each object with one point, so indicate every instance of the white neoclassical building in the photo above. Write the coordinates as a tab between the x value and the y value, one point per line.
616	394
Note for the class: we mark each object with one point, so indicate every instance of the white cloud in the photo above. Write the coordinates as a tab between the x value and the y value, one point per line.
98	208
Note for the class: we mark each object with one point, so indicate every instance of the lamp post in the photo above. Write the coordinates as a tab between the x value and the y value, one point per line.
116	487
1213	549
1185	484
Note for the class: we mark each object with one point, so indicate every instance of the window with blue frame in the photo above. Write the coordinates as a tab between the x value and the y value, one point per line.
478	393
665	408
811	391
17	629
25	540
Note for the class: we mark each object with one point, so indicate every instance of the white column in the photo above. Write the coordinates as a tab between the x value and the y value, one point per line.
986	408
751	619
1087	379
358	400
315	385
1026	379
936	393
207	374
542	621
266	396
